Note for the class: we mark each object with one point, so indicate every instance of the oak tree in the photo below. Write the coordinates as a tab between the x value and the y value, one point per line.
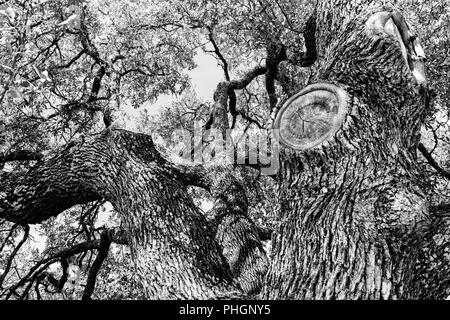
354	91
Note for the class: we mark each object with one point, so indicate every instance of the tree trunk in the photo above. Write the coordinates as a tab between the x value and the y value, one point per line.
352	209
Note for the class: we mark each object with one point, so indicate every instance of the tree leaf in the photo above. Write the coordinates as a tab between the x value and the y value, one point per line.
13	94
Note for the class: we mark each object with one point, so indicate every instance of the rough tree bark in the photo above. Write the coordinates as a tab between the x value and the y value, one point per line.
354	220
174	250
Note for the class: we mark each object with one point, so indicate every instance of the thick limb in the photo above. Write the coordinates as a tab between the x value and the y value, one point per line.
175	253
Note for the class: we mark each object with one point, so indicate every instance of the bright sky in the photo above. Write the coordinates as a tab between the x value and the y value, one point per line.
205	78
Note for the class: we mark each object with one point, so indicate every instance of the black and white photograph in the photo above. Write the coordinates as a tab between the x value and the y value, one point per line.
238	151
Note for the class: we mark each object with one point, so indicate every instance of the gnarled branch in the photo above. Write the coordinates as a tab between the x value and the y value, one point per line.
307	58
20	155
102	254
423	150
